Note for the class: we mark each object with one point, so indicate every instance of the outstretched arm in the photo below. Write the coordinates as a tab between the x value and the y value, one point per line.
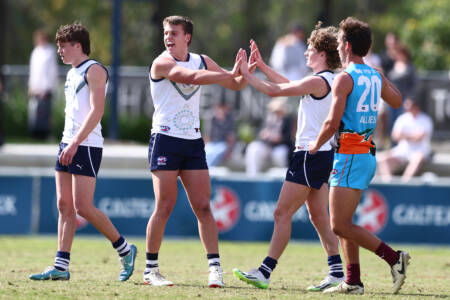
308	85
164	67
235	82
342	87
255	58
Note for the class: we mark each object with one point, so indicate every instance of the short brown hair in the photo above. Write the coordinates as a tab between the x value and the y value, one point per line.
185	22
358	34
325	39
74	33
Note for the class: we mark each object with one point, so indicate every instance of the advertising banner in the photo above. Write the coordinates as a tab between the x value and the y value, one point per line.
244	209
15	204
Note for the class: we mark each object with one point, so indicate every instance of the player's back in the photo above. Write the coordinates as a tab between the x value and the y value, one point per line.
360	116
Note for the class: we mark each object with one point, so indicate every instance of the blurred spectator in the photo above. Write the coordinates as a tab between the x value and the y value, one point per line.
1	107
391	42
412	130
41	84
403	76
288	57
220	138
274	141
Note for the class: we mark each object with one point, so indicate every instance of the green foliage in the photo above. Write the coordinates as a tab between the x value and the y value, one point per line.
94	269
222	27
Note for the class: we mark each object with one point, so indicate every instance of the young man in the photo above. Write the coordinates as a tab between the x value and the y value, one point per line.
176	147
80	154
307	176
356	98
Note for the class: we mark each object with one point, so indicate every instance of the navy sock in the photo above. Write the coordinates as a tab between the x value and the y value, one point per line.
267	266
213	259
121	246
62	261
151	262
335	266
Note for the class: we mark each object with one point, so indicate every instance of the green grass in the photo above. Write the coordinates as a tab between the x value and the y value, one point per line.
94	270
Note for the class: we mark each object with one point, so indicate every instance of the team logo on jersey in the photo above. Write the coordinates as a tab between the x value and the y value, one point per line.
372	212
164	128
226	208
184	119
334	172
161	161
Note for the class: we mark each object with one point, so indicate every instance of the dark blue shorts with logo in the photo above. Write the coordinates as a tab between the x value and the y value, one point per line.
311	170
172	153
85	162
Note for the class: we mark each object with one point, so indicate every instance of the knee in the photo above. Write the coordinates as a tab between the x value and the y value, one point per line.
317	219
202	210
65	208
339	228
82	211
163	212
281	215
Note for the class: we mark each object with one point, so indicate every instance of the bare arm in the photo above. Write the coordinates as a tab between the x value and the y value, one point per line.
96	78
342	87
255	58
233	82
164	67
389	92
309	85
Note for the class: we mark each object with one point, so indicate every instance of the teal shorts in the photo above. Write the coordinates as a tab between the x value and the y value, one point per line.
353	170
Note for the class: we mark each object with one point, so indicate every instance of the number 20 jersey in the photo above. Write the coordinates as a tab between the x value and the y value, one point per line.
360	115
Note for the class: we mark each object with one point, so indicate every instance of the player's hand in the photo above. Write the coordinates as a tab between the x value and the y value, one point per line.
67	154
244	64
313	148
238	62
255	56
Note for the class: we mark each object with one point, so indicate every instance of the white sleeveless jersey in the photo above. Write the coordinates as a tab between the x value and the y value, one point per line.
177	105
78	105
312	113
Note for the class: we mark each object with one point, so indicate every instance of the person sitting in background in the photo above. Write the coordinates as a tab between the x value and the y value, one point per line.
274	140
412	131
220	138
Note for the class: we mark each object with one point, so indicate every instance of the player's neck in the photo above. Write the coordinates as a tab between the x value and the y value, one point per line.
181	56
354	59
77	61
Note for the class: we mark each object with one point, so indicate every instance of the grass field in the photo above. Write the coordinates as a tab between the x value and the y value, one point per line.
94	270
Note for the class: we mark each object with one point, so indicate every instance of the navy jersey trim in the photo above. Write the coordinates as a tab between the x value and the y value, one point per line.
150	75
328	85
204	62
83	62
85	73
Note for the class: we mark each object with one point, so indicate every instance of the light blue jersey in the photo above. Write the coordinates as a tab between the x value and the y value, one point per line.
360	116
354	163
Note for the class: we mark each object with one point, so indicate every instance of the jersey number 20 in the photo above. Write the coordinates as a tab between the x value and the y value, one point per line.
372	86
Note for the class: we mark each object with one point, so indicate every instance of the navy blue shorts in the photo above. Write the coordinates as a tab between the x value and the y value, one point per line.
85	162
171	153
310	170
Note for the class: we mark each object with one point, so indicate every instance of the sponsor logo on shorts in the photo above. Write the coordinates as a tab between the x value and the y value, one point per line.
225	207
164	128
161	161
372	212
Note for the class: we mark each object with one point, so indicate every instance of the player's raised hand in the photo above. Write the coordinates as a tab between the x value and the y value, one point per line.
255	55
244	64
238	62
